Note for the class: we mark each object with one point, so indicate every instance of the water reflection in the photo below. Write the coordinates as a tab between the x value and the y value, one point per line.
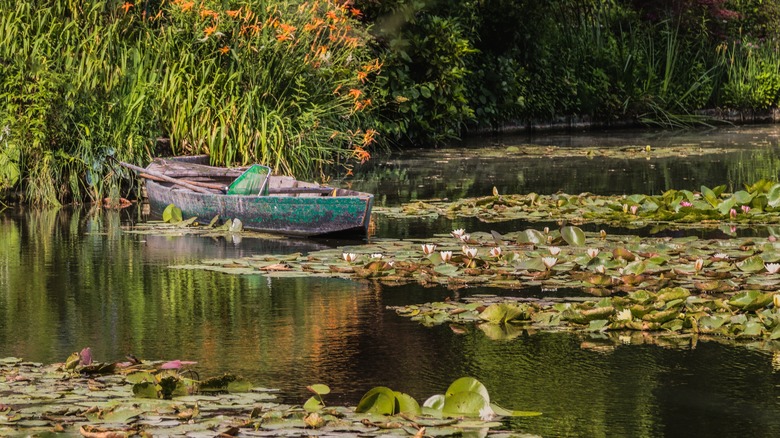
70	279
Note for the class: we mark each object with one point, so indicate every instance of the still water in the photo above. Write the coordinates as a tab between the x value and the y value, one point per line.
72	278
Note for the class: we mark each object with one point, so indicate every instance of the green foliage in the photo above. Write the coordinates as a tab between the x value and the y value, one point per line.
752	75
284	83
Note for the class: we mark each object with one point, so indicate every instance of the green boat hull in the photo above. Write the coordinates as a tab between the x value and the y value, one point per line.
290	215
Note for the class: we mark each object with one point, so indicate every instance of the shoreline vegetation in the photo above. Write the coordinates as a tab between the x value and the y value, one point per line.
312	88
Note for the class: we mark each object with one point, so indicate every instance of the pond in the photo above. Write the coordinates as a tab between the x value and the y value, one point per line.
72	278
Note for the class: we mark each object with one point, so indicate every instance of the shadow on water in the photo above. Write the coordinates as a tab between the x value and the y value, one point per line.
73	278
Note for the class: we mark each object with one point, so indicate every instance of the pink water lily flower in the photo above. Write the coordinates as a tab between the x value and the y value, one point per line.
685	204
176	364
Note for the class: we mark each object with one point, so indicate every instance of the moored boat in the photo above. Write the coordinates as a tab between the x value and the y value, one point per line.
282	204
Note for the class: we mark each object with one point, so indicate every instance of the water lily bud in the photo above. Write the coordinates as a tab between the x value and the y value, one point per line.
446	256
745	209
698	265
554	250
625	208
428	248
634	209
603	234
733	213
546	230
776	300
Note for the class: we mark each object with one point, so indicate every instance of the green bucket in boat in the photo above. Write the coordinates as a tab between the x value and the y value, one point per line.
253	182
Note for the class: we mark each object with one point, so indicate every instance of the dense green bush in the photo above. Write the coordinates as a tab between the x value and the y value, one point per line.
286	83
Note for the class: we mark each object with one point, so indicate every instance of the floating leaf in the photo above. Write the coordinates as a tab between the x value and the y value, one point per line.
464	403
171	214
573	235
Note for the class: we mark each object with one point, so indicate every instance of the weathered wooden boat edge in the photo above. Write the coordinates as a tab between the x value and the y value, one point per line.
344	215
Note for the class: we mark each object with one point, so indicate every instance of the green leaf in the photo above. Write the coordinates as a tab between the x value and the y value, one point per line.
574	236
468	384
319	389
464	403
313	404
171	214
532	236
498	410
498	313
379	400
407	404
709	196
146	390
435	402
751	300
751	264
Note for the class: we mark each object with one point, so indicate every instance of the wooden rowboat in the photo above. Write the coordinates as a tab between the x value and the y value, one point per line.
287	206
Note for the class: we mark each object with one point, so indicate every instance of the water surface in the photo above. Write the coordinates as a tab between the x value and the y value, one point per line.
72	278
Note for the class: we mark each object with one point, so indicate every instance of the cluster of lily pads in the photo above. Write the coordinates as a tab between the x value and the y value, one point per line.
85	398
747	314
758	203
597	263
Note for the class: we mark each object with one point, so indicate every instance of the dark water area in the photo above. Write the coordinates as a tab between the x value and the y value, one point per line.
73	278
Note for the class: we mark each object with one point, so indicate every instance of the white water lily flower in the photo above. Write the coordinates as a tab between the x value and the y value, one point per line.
377	256
721	256
546	230
602	234
601	269
446	256
699	264
624	315
486	413
469	252
465	238
772	268
593	252
495	252
349	257
554	250
634	209
549	262
457	233
428	248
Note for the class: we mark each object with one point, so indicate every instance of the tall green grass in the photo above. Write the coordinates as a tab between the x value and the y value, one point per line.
286	83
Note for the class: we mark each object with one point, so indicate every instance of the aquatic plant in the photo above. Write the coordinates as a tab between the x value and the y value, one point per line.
44	399
756	203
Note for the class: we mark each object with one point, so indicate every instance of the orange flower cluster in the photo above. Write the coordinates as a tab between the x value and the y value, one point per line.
361	154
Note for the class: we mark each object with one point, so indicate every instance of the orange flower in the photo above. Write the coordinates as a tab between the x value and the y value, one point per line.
362	76
224	50
234	14
355	12
208	12
368	137
186	6
355	93
349	172
332	15
209	30
127	6
337	91
361	154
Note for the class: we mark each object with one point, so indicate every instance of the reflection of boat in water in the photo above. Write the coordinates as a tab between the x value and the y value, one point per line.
222	247
281	205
